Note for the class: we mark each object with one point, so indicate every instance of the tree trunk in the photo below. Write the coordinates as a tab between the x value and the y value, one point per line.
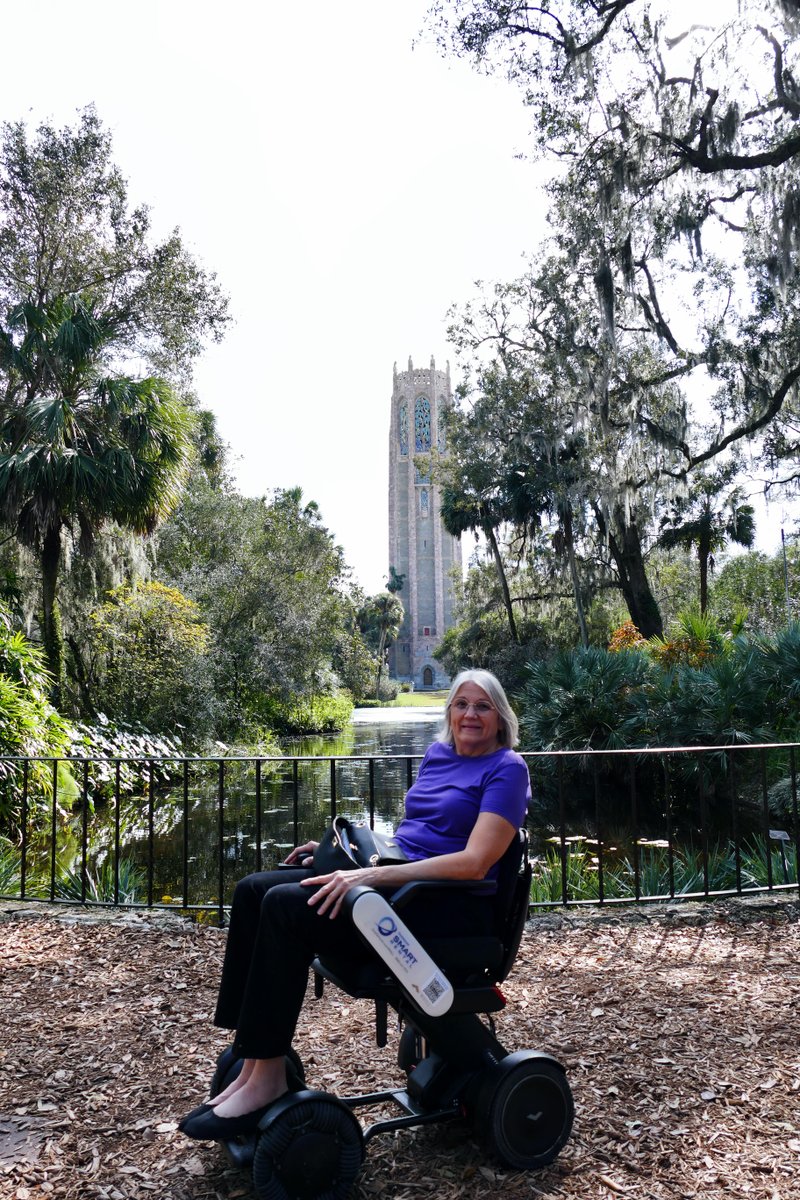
81	675
52	635
566	524
704	554
492	540
381	649
626	551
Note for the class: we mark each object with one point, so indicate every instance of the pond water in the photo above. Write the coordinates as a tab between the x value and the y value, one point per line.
260	810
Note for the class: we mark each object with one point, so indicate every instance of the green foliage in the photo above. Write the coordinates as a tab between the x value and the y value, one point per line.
700	687
480	638
312	714
80	445
29	725
586	699
106	741
587	401
100	885
66	230
146	651
690	869
707	519
754	584
9	868
381	619
267	579
354	664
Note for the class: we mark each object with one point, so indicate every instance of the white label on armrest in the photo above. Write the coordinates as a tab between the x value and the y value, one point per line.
406	958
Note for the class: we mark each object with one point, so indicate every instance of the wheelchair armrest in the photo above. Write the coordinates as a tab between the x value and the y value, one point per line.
407	959
409	891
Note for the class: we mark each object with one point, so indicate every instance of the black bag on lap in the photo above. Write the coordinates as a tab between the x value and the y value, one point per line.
346	847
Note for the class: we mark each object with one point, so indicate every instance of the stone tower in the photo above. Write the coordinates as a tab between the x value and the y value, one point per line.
420	549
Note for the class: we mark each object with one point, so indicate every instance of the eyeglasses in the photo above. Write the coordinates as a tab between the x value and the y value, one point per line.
481	708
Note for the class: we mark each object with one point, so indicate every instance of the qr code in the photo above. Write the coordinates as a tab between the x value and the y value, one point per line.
433	990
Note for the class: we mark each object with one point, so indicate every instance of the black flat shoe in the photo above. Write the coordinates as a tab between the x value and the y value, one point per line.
207	1126
196	1112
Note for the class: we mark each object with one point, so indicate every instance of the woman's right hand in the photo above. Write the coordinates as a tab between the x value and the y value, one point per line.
300	854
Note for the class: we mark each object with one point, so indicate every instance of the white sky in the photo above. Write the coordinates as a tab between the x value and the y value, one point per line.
346	187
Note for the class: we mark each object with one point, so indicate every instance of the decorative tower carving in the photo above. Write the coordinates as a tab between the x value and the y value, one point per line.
420	548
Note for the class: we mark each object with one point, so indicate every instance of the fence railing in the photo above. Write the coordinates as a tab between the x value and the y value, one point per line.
606	827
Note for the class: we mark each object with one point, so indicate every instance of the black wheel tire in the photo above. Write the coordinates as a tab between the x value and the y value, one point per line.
229	1064
310	1148
529	1113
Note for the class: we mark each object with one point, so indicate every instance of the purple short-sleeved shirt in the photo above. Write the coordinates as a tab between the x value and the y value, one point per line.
452	790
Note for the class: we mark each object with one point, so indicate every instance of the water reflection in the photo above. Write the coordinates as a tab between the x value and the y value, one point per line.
258	811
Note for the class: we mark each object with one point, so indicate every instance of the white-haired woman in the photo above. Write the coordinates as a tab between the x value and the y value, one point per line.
467	802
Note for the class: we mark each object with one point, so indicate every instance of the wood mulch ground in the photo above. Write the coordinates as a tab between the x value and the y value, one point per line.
680	1030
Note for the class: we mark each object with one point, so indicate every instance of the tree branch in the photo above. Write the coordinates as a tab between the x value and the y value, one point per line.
748	428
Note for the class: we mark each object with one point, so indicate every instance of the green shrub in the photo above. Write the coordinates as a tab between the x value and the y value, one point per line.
100	883
585	699
29	727
147	650
310	714
688	870
107	740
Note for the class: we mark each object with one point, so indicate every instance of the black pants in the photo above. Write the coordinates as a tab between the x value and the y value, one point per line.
273	937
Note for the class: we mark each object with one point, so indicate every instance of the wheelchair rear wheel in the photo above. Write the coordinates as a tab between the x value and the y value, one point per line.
311	1148
526	1111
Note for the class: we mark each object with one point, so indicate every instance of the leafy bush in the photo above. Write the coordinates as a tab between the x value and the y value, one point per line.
147	652
9	868
29	726
135	747
310	714
100	883
688	870
585	699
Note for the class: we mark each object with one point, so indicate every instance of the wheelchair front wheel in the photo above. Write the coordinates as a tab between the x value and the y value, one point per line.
527	1111
311	1147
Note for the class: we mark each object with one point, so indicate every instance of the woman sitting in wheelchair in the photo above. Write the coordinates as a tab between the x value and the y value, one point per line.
469	799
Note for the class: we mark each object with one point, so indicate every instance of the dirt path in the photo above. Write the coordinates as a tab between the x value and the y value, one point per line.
680	1037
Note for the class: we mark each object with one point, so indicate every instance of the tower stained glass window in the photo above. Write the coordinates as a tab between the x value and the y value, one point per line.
403	429
422	424
423	502
441	439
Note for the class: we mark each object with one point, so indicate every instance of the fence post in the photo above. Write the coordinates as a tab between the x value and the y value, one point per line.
185	833
637	876
221	839
563	823
598	825
23	868
737	851
53	832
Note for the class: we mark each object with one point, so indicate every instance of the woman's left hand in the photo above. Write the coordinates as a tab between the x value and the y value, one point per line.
334	887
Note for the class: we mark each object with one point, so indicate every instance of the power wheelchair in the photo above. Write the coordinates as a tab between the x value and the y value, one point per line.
310	1145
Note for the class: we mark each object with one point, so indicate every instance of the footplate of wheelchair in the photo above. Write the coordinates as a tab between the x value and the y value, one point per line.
401	951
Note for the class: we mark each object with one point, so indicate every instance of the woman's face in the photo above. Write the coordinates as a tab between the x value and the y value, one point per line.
474	721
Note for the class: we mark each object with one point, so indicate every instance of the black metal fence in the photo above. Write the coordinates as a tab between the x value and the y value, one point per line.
606	827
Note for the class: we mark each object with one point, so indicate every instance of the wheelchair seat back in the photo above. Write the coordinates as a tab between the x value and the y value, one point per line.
473	964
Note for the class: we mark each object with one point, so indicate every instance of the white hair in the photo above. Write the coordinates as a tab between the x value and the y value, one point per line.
508	733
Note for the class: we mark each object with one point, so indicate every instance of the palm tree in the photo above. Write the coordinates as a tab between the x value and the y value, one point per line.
705	521
80	445
385	613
